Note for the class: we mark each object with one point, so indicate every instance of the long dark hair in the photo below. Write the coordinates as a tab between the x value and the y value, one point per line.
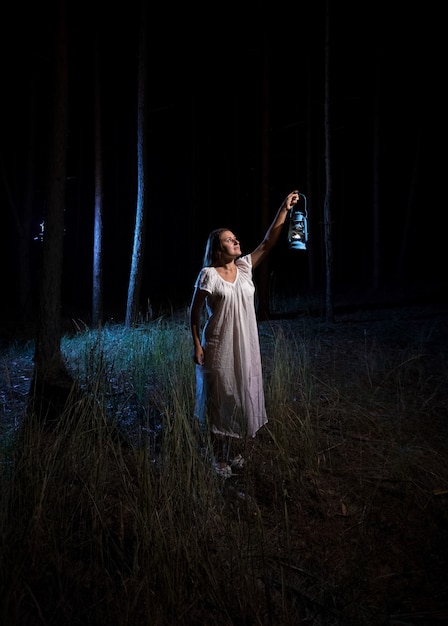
212	247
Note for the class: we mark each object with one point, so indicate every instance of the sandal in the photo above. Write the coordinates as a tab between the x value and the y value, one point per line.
237	462
223	470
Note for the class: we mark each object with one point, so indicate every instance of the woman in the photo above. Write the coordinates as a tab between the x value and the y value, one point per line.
229	383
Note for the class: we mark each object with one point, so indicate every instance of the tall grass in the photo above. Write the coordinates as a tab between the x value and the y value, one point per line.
116	517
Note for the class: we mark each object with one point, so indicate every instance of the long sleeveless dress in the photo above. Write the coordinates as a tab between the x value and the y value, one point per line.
229	386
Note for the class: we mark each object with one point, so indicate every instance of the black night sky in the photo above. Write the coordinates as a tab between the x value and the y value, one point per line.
206	76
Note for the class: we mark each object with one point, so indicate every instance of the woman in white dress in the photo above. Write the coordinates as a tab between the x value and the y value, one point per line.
229	383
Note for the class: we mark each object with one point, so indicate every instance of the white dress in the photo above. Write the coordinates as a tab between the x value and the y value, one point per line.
229	386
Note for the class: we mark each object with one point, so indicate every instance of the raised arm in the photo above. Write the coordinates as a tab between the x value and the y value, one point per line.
274	230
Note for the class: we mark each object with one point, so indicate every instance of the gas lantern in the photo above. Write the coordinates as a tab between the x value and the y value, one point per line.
298	226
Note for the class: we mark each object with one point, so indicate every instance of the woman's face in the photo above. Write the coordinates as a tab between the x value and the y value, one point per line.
230	244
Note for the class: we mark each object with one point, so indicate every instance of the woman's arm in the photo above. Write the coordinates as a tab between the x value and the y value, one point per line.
197	303
274	230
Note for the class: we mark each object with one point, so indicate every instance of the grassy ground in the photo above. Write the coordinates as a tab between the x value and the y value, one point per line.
338	517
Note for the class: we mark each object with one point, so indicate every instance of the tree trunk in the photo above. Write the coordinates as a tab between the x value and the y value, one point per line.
405	227
97	282
136	273
309	177
263	272
328	181
376	186
51	382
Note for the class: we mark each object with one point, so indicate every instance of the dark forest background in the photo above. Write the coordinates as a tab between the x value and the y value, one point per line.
217	76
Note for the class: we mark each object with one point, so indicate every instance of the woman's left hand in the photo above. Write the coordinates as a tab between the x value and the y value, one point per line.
291	200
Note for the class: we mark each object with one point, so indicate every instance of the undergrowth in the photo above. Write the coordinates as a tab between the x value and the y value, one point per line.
338	516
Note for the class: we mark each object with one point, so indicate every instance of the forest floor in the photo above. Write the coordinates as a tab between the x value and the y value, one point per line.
362	505
359	513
